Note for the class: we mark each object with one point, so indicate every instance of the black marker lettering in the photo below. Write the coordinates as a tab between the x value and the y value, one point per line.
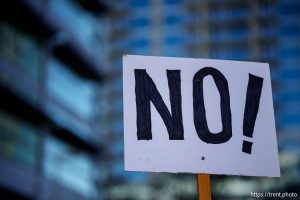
146	91
254	88
199	108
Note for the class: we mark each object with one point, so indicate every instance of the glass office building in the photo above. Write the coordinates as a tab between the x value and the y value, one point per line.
50	78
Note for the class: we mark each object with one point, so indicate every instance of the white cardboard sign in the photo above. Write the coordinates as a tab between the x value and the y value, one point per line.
198	116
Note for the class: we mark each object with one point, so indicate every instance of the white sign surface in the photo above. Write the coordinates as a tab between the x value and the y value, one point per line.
198	116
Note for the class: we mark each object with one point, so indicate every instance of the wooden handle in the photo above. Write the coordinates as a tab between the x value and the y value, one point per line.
204	192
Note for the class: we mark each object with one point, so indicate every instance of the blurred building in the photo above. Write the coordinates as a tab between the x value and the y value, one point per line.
61	125
262	31
50	74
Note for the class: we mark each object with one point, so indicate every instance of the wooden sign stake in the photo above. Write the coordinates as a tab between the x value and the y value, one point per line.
204	192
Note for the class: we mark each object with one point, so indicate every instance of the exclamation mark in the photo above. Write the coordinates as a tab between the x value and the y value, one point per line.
251	108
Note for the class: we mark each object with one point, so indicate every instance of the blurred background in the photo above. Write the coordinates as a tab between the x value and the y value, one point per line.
61	125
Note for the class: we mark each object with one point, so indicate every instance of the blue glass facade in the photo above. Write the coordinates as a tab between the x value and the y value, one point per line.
61	125
49	88
288	74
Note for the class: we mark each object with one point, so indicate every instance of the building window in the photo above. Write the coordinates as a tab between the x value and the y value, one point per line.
139	43
70	167
173	19
18	140
20	49
71	90
140	22
139	3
